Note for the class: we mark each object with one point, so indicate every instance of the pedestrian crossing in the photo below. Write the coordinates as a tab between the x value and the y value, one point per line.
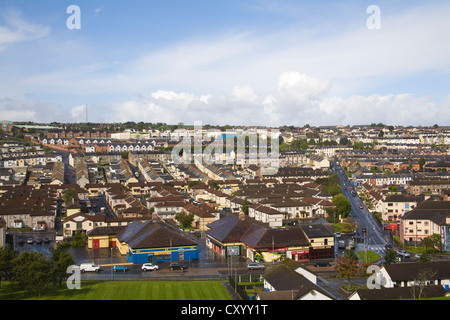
375	248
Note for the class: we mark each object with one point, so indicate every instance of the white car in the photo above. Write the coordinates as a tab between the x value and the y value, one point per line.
149	267
89	267
403	253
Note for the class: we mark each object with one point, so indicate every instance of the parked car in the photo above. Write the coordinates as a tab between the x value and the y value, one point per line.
322	264
89	267
403	253
38	241
149	267
30	240
255	266
177	266
119	267
338	234
361	206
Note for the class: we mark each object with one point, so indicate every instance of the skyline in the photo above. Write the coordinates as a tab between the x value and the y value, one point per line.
270	63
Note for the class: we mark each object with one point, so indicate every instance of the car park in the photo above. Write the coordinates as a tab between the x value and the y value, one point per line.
149	267
255	266
119	267
177	266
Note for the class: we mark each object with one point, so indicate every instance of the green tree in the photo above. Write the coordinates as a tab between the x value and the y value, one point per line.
347	266
62	260
33	272
422	163
425	257
79	240
390	256
184	219
343	206
69	195
433	241
245	205
6	257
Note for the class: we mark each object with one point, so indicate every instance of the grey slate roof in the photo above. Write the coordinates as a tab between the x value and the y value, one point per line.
283	277
401	293
154	233
412	271
255	234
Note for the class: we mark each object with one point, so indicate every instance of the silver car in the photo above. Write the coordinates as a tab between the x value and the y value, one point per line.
255	266
403	253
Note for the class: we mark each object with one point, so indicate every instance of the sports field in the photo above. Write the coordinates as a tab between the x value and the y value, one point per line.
128	290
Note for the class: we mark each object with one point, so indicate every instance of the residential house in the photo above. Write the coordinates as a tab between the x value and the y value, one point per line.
321	238
26	206
428	218
203	215
289	281
395	206
428	185
415	274
293	209
396	293
265	214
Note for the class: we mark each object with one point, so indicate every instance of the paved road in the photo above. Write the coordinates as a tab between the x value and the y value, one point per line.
374	238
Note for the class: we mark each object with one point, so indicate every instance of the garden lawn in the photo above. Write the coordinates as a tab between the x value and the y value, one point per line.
128	290
371	256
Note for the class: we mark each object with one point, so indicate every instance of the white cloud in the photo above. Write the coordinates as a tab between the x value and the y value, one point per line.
244	93
243	77
78	114
18	30
296	100
301	87
20	110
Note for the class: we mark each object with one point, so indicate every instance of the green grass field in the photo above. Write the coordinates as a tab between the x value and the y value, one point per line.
128	290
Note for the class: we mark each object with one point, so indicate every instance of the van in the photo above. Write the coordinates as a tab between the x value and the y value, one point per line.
89	267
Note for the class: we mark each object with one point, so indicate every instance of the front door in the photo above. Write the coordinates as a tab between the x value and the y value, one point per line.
95	243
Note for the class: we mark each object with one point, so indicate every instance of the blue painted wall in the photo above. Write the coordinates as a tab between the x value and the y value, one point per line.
190	253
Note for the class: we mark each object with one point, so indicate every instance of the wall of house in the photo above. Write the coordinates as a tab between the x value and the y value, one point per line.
163	254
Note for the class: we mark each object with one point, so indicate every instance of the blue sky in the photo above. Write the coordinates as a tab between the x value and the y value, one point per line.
255	62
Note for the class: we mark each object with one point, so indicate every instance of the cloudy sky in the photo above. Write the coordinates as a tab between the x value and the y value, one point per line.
255	62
